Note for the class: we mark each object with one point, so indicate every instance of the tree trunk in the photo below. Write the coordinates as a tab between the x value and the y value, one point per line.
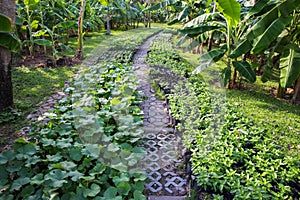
107	22
79	53
280	91
296	96
7	7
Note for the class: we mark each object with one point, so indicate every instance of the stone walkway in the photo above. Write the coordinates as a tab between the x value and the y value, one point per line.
163	165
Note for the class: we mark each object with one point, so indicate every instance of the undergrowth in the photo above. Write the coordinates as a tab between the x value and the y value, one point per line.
233	156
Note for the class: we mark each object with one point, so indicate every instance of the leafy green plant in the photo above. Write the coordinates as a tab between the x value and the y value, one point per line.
58	161
230	154
162	53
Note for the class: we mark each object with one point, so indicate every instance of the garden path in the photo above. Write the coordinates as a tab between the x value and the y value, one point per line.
163	165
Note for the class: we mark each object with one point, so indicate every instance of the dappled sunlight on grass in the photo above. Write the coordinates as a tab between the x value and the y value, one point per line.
31	84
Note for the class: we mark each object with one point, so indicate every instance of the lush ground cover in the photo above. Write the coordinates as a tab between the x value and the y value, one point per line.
240	150
88	149
61	160
33	85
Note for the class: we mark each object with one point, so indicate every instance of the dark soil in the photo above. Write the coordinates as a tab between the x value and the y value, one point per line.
44	61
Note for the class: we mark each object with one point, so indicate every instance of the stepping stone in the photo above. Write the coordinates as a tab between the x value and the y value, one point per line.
160	140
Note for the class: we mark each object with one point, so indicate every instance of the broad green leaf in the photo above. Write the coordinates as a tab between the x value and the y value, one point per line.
5	24
7	156
290	67
67	165
15	166
118	165
115	101
75	154
64	143
198	30
28	149
231	9
259	6
282	9
26	192
209	58
110	193
95	189
245	70
75	175
37	179
226	75
139	195
270	34
31	2
270	73
123	188
56	177
32	160
43	42
18	183
54	158
184	13
113	147
206	17
122	178
10	42
93	150
183	39
241	49
197	41
174	21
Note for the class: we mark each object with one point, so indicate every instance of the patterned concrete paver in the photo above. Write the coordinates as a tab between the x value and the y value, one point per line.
162	164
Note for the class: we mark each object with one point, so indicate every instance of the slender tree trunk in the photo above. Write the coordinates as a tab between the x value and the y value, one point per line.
79	53
233	78
296	96
7	7
280	91
108	22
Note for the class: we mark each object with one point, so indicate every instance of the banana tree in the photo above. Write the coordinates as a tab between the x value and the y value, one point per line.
277	34
226	21
79	53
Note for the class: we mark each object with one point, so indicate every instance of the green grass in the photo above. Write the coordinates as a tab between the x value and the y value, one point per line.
165	25
258	103
32	85
278	116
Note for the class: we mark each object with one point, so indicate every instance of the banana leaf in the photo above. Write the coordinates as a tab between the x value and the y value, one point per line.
5	24
290	67
271	34
244	68
241	49
10	42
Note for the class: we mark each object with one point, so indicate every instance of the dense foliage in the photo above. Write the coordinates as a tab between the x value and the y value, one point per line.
67	158
87	148
254	37
232	157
